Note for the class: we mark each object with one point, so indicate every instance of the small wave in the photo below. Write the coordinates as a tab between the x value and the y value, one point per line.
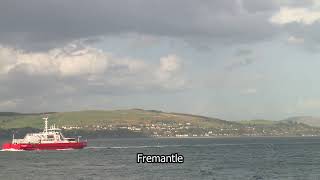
131	147
68	149
15	150
97	147
165	146
138	147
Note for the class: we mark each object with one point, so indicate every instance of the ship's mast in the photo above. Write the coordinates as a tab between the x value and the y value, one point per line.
45	124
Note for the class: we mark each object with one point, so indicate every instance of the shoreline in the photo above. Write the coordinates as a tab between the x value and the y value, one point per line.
212	137
216	137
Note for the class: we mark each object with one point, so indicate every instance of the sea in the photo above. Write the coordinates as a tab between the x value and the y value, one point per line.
249	158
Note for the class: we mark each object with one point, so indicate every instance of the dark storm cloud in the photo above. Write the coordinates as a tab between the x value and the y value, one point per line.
38	23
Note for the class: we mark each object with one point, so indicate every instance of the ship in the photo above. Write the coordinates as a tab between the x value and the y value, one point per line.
50	139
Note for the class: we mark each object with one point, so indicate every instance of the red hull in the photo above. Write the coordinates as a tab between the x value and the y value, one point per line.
44	146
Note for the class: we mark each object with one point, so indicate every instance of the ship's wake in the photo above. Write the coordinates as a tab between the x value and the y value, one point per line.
68	149
15	150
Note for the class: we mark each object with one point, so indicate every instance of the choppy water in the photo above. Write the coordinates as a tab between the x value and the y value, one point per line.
205	158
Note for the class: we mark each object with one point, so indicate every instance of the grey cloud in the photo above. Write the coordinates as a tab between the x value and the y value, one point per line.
243	52
243	57
240	63
308	33
82	72
258	6
40	24
295	3
305	31
255	6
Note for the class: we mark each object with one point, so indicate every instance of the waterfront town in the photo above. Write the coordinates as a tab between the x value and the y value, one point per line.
190	130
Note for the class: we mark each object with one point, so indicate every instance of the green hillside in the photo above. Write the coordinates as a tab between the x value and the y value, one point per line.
258	122
147	123
309	120
114	117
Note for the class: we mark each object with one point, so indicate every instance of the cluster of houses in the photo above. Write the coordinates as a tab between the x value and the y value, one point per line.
160	129
187	129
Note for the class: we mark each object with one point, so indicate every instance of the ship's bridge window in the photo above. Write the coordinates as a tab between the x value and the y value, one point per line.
50	137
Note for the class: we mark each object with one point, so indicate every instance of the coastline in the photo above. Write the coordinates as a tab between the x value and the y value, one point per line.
220	137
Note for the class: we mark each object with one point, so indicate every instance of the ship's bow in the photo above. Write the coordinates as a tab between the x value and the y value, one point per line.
10	146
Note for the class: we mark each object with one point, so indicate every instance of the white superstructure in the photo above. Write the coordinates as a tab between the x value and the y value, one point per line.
51	135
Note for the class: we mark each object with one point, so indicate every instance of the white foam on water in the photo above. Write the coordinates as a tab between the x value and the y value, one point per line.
14	150
68	149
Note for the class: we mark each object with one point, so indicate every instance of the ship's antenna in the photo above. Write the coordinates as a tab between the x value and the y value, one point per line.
45	124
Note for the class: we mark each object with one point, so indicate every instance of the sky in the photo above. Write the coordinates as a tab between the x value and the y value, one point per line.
230	59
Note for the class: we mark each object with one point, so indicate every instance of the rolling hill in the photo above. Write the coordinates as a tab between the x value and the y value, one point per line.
308	120
150	123
258	122
112	117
